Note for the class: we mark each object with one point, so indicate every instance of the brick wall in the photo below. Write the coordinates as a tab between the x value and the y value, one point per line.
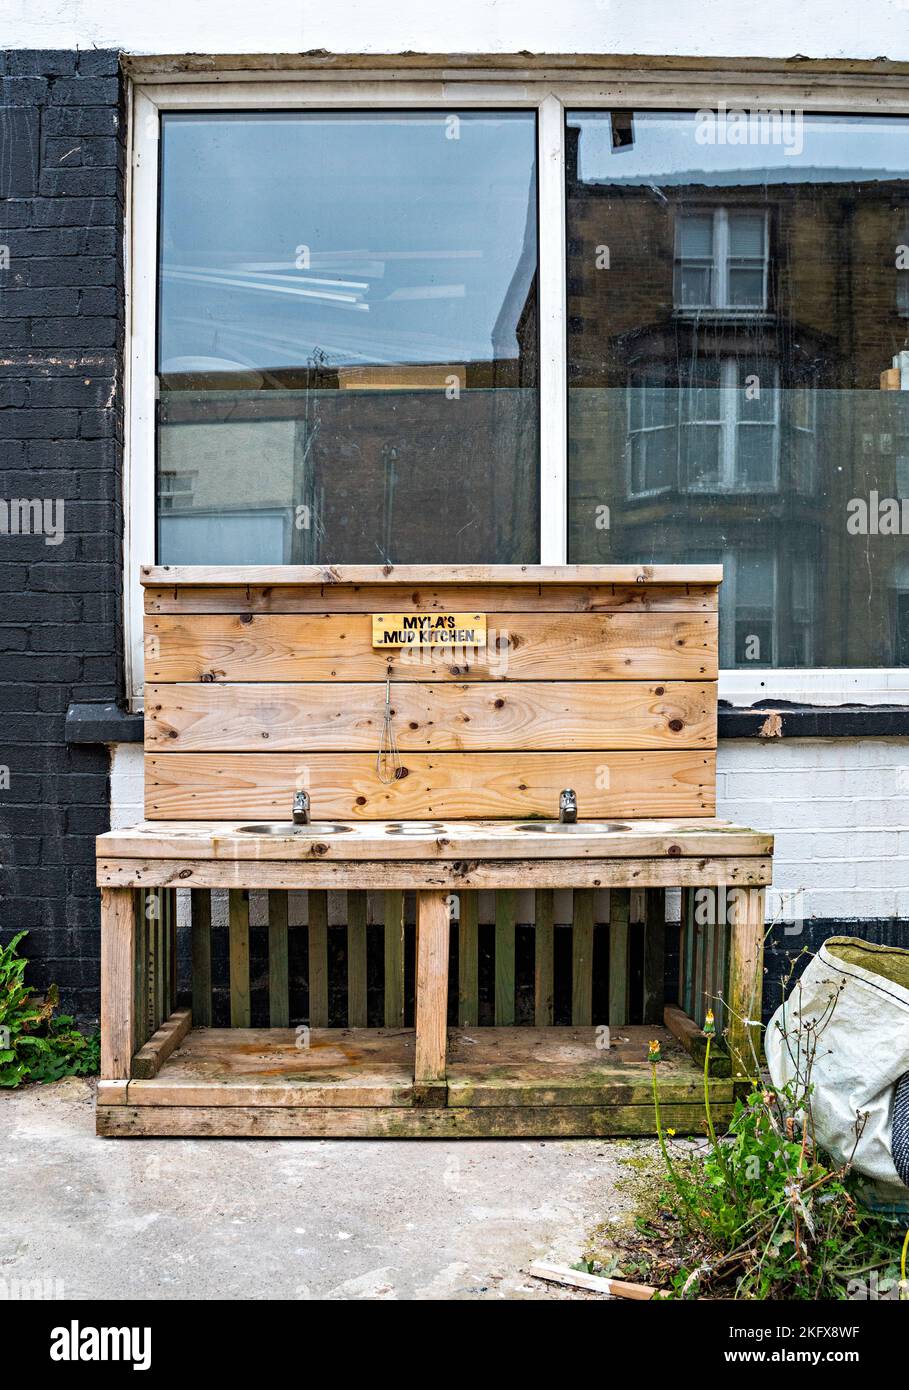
61	429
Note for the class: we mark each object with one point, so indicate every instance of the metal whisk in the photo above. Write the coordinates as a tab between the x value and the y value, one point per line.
388	762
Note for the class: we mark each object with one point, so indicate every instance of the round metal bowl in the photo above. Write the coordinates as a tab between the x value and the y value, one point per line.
287	828
416	828
581	827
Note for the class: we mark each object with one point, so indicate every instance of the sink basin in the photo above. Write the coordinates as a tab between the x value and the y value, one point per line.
286	828
581	827
422	828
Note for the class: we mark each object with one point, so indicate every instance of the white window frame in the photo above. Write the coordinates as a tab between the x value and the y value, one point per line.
720	305
548	92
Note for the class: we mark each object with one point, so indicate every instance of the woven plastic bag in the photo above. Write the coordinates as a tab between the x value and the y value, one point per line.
851	1010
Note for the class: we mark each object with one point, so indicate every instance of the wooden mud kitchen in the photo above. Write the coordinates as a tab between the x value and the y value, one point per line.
409	834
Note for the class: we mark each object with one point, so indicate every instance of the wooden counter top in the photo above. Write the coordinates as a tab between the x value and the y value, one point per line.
434	840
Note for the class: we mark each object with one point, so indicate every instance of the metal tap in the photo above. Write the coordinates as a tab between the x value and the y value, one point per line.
568	807
301	808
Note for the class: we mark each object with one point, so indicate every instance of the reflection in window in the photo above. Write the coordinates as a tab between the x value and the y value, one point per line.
725	370
721	260
347	338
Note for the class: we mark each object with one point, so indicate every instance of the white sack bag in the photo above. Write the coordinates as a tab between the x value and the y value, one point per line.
855	996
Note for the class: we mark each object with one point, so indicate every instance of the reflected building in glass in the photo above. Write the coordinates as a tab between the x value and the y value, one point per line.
732	309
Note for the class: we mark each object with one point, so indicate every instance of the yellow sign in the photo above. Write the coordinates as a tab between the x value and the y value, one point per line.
429	629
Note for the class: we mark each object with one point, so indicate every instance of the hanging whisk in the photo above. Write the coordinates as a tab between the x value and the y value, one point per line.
388	763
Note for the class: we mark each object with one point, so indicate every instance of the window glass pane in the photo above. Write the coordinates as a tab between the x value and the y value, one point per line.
695	236
801	225
347	338
746	234
746	286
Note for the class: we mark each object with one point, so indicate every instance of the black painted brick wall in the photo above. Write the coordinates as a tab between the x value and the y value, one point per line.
62	155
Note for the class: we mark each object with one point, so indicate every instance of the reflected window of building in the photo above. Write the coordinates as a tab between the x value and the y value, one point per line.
725	365
721	260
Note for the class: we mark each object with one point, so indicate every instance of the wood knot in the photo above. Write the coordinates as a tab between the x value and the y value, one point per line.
674	851
675	725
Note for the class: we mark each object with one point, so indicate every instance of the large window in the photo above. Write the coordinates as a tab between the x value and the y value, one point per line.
491	319
347	338
734	308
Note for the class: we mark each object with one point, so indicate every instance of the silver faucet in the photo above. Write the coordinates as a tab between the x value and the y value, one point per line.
301	808
568	807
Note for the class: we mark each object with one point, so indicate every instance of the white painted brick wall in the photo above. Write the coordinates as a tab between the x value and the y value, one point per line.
839	809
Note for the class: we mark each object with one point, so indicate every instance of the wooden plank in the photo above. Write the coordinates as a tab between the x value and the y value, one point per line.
694	1040
434	717
582	957
150	1058
278	973
111	1092
394	1121
150	918
469	839
418	873
654	956
504	956
468	960
118	981
746	978
438	596
433	917
171	576
238	942
317	917
201	947
686	951
344	786
160	958
594	1283
524	646
356	959
141	1032
544	958
619	915
394	959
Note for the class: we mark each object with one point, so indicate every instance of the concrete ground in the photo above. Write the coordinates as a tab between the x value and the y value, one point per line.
298	1219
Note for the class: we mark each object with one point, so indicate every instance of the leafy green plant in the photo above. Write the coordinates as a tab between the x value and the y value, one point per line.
34	1045
768	1213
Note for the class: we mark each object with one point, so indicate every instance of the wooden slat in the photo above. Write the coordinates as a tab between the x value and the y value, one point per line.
468	839
118	945
419	873
344	785
160	959
504	956
278	973
582	958
435	597
746	978
356	959
238	942
317	918
150	918
523	646
468	960
394	959
201	939
141	1032
150	1058
329	576
544	968
619	913
697	973
654	956
347	717
431	988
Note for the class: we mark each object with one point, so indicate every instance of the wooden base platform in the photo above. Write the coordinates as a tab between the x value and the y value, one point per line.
359	1083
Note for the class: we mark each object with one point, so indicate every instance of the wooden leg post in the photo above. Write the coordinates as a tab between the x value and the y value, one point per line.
432	995
118	982
746	978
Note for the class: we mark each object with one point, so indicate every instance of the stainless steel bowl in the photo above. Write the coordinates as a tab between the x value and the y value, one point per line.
581	827
284	829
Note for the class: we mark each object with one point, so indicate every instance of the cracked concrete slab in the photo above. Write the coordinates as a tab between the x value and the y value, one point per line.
297	1219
